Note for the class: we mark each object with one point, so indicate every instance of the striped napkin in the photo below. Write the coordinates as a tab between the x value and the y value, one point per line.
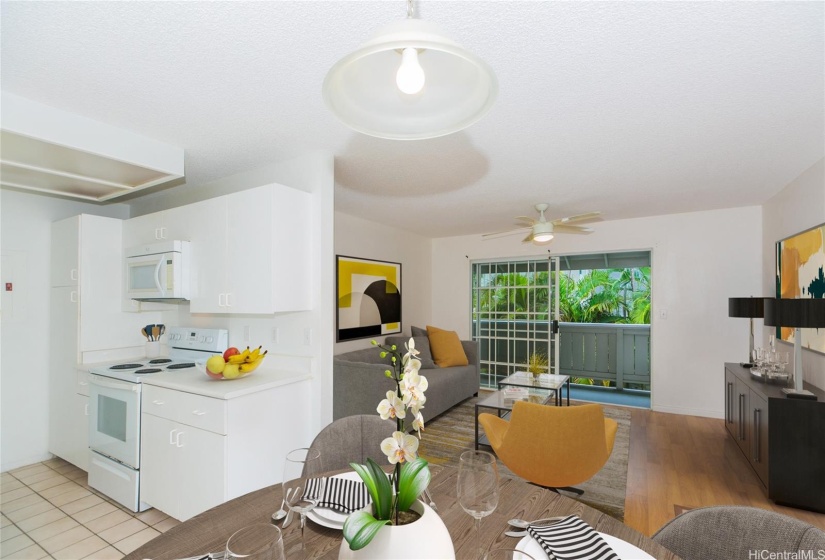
339	494
571	539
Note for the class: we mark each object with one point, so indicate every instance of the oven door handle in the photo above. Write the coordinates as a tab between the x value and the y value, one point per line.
122	386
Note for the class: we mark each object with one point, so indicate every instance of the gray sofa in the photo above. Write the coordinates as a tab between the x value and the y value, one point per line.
359	383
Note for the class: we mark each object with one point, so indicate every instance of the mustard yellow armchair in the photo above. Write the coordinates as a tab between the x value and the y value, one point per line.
552	446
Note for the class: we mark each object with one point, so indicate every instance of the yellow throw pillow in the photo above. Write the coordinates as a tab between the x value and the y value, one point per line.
446	348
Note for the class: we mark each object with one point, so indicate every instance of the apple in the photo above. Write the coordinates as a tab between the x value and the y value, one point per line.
215	364
231	371
214	375
231	351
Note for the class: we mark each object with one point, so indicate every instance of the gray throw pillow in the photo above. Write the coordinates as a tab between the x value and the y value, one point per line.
419	332
422	344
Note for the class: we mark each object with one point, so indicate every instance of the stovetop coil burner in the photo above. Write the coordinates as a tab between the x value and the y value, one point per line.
181	366
126	366
160	361
148	370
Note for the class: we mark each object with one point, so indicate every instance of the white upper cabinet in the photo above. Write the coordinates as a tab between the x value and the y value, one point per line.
250	252
173	224
65	259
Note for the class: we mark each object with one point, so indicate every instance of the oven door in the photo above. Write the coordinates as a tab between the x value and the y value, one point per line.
114	419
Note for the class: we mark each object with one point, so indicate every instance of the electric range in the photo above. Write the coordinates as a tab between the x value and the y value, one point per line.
186	345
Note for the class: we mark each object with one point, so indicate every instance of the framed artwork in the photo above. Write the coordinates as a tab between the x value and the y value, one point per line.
368	294
800	273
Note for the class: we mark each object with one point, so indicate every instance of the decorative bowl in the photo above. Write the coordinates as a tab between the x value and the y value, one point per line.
201	366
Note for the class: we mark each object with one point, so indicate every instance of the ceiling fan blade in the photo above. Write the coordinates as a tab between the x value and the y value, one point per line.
528	239
577	218
571	229
526	220
503	233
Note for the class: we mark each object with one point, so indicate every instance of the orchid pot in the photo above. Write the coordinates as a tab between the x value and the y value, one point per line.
426	537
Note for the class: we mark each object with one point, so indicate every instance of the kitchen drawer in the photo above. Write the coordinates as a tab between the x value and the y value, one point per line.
197	411
82	383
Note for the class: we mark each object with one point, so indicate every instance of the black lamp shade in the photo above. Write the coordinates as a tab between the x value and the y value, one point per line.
752	307
800	313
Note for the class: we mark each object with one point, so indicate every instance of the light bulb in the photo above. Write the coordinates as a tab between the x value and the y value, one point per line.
542	237
410	76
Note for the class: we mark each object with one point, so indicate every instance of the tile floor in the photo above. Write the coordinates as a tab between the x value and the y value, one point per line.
48	511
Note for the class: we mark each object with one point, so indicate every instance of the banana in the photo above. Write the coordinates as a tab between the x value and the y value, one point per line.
252	366
236	359
254	354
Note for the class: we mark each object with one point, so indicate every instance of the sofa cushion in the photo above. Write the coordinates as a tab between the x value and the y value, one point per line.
416	331
422	344
446	348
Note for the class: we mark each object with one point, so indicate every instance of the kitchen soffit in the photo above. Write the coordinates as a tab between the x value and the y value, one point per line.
47	150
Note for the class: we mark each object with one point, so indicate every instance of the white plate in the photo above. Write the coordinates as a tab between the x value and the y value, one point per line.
624	549
331	518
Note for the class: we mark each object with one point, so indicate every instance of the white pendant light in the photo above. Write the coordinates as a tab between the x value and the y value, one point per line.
542	231
409	82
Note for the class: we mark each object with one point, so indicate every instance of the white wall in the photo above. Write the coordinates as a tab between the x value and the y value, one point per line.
699	260
799	206
356	237
24	359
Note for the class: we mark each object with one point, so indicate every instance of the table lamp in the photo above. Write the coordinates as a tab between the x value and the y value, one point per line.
750	307
799	314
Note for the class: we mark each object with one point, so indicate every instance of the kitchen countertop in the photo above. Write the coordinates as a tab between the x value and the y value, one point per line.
197	382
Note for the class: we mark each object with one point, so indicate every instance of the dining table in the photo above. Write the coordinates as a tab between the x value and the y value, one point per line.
209	531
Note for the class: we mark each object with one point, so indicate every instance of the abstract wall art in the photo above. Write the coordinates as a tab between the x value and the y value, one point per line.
368	298
800	273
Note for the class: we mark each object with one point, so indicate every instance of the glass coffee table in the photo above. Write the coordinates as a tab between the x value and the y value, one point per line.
544	382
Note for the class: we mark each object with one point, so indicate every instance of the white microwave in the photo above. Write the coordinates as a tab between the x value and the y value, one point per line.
158	271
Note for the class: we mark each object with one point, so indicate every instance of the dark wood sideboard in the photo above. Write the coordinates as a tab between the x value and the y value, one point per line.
783	439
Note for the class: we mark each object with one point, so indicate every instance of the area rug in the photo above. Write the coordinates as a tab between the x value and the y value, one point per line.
445	437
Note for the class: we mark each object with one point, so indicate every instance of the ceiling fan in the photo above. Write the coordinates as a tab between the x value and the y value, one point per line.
542	231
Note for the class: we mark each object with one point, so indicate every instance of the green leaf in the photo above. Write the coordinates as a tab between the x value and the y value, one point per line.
360	527
378	486
413	479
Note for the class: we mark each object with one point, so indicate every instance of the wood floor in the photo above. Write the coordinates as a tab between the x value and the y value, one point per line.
691	462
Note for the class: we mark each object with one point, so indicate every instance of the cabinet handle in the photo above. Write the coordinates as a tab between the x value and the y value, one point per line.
73	274
158	402
198	412
177	440
742	416
729	404
229	300
757	417
160	233
86	410
73	297
172	436
221	300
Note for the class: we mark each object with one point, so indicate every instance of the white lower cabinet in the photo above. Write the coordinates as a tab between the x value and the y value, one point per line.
183	468
198	451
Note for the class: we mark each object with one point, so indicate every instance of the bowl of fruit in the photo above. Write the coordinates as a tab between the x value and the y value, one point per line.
233	364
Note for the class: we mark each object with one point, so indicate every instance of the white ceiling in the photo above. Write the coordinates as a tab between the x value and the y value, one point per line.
630	108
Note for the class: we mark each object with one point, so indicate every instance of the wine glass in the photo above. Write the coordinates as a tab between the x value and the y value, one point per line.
478	487
300	467
262	541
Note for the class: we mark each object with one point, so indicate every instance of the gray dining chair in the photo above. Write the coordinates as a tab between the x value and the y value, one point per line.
737	533
352	439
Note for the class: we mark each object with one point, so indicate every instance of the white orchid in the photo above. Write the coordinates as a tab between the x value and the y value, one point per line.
400	447
391	407
412	390
418	423
411	351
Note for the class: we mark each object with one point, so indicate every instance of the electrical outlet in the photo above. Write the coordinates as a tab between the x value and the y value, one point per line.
246	333
307	336
276	335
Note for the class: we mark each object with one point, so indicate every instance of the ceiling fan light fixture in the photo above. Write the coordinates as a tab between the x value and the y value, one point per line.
542	232
451	87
